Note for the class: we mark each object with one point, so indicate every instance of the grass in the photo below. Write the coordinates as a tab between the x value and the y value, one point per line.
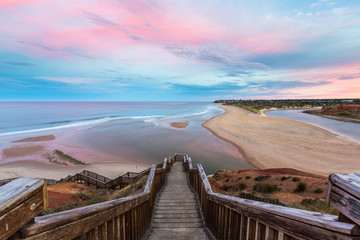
67	157
126	191
266	188
316	205
301	187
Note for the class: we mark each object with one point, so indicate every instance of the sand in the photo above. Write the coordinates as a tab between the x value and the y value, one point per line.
179	124
22	151
37	139
269	142
35	169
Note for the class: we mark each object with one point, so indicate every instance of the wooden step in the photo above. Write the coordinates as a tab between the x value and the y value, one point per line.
177	220
176	225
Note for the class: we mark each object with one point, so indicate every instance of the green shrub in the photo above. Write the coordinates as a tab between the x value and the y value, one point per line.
317	206
68	158
247	177
266	188
261	178
225	187
296	179
284	178
301	187
226	180
83	196
318	191
242	186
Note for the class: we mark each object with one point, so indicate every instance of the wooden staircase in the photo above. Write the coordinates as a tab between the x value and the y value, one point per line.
176	213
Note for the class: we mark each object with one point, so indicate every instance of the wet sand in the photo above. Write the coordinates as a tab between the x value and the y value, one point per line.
30	158
269	142
179	124
37	139
35	169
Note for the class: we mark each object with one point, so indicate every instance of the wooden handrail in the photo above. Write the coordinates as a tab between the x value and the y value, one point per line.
228	217
124	218
20	201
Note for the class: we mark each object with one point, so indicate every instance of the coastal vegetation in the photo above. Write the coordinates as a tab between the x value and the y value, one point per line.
293	188
58	157
327	105
351	111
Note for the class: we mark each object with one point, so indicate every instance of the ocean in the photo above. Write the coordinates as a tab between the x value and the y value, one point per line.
127	130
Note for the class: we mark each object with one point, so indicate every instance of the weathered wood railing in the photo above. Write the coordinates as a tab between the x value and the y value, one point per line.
20	201
229	217
124	218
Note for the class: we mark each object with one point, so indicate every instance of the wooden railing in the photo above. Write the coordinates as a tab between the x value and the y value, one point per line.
20	201
229	217
124	218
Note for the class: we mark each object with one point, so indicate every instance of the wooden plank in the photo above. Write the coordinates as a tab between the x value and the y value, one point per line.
117	228
252	229
244	227
90	235
345	195
274	234
122	227
17	191
21	215
346	203
261	231
348	182
102	232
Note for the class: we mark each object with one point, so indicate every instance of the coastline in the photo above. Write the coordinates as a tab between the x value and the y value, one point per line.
268	142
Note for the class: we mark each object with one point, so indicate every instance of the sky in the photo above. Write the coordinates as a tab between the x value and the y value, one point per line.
178	50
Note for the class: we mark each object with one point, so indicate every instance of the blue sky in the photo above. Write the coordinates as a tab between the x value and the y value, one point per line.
152	50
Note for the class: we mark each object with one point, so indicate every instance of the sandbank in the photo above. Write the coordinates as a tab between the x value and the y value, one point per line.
37	139
22	151
270	142
35	169
179	124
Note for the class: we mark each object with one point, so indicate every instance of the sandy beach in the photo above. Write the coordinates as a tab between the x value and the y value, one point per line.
269	142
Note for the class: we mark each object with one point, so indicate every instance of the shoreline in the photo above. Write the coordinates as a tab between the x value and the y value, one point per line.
36	169
276	142
29	157
338	118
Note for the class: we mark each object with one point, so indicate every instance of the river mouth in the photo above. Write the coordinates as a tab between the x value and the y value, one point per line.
347	130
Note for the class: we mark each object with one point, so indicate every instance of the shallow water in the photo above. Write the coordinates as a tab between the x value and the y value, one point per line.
132	130
348	130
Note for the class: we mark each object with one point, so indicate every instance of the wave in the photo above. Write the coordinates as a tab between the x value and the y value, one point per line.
156	119
82	123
